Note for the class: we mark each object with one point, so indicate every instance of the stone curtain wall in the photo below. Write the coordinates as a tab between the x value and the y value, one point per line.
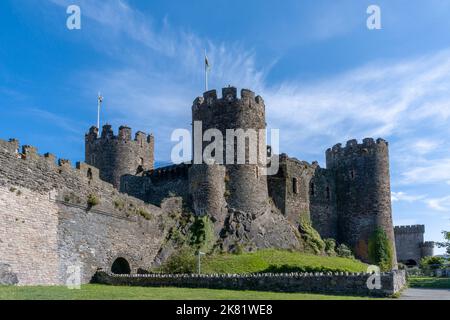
31	253
331	283
46	225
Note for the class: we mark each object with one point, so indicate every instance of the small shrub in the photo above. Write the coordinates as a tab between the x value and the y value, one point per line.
144	214
12	189
343	251
311	236
330	246
119	204
92	201
19	192
380	250
202	235
238	248
182	261
66	198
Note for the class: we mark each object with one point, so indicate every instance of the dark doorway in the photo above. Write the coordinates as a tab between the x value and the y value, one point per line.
411	263
121	266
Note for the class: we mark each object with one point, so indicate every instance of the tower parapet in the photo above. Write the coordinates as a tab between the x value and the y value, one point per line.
418	228
363	193
117	155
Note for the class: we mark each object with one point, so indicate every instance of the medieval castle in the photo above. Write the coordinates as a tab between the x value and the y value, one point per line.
117	212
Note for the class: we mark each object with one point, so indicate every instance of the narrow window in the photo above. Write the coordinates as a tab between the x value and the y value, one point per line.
312	189
295	185
141	161
93	159
352	174
328	193
89	174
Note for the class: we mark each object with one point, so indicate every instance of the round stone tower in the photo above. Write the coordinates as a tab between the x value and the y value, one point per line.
363	193
118	155
241	123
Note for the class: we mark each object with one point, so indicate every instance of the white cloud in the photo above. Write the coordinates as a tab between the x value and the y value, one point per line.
433	171
402	196
439	204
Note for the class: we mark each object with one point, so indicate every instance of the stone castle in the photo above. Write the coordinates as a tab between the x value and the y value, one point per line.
117	212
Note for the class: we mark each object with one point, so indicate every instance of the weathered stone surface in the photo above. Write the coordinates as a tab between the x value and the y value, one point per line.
7	277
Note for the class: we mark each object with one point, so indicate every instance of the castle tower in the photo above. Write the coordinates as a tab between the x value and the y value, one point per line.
245	185
118	155
363	194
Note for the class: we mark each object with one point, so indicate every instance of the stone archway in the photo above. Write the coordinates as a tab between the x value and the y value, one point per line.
121	266
411	263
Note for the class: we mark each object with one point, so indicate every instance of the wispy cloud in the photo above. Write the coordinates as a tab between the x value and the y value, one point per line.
440	204
402	196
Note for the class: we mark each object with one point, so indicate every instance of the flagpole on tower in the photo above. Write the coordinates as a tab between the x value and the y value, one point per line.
99	105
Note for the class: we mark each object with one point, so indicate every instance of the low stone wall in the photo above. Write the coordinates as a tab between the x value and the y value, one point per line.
330	283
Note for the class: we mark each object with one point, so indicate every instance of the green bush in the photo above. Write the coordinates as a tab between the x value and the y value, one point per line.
202	234
380	250
311	237
432	262
144	214
343	251
92	201
182	261
330	246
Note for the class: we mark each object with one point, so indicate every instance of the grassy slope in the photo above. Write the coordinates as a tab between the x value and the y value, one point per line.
102	292
263	259
429	282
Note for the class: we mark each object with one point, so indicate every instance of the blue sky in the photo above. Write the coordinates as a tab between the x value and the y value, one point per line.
324	76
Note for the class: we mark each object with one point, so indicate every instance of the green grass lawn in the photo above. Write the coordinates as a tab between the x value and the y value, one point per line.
267	260
429	282
103	292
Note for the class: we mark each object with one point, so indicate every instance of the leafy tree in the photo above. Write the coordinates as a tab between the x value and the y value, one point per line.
432	262
380	250
446	243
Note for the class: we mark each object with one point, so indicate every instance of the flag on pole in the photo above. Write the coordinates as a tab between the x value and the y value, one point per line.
207	67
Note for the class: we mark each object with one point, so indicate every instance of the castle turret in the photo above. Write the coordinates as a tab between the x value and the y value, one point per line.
238	120
363	194
118	155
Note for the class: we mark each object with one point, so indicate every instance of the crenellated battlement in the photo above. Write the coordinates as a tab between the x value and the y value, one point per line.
419	228
229	95
428	244
352	146
124	134
30	154
169	172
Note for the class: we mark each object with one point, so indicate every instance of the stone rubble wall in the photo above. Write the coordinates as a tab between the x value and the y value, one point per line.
342	283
